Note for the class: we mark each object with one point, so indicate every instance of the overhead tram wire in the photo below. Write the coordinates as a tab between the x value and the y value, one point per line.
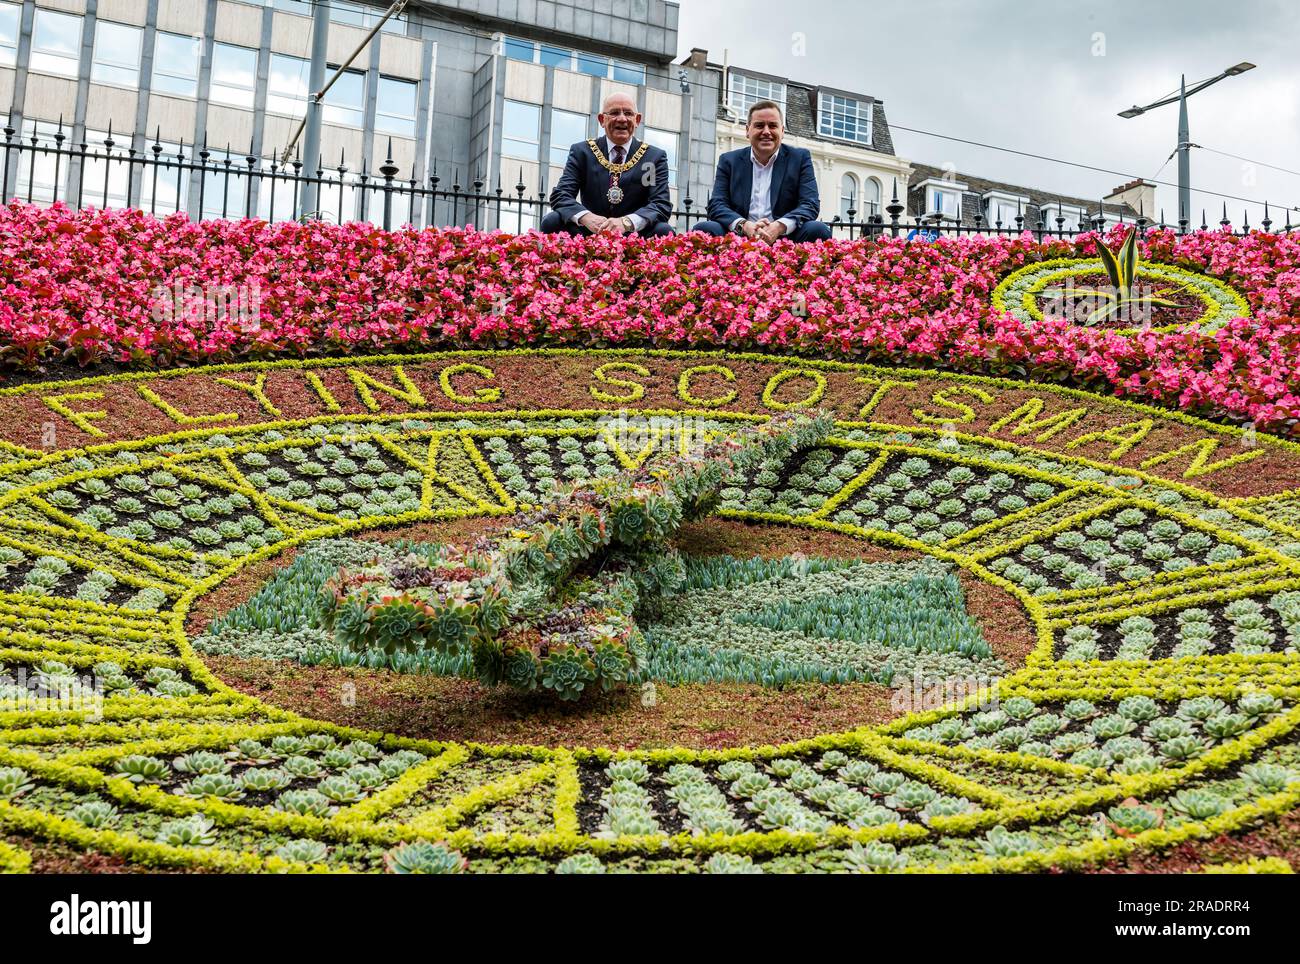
1127	175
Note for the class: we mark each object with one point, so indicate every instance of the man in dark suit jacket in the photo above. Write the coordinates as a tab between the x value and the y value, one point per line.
614	184
765	191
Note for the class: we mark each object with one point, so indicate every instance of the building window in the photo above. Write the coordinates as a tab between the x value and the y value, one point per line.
844	118
301	7
338	199
520	49
1072	213
225	187
395	107
176	64
849	200
629	73
36	172
9	13
556	57
593	65
667	141
114	166
946	202
870	198
1004	210
520	127
356	15
345	102
162	182
516	218
56	43
744	92
287	85
117	54
234	75
567	129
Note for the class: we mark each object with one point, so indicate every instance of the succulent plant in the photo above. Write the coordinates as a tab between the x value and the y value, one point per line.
304	803
1078	710
1201	708
139	768
1068	743
1182	747
631	822
1198	804
364	751
873	858
726	863
367	776
303	851
340	789
95	814
885	782
201	761
1090	757
264	779
911	795
1224	726
628	769
1139	709
13	781
748	784
832	760
1131	818
1268	777
1166	728
220	785
337	758
784	766
804	778
582	863
1019	707
423	857
1000	842
193	831
251	751
287	745
1258	705
302	766
947	807
1112	725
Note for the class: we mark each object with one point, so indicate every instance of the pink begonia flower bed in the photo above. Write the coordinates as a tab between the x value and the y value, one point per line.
85	285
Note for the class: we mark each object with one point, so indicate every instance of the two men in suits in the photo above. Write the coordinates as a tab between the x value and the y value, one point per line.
613	184
765	191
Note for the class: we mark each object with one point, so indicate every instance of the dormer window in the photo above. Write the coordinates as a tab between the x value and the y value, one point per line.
1073	214
942	199
1003	207
844	118
745	91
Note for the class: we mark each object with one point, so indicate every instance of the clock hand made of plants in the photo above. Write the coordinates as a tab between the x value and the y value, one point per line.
1154	556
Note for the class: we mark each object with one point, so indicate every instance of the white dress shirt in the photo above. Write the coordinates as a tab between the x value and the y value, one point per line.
760	198
638	222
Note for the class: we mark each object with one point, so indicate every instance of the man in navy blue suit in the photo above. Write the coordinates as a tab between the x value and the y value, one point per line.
765	191
613	184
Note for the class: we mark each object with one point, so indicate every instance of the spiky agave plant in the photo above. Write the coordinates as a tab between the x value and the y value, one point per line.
1120	299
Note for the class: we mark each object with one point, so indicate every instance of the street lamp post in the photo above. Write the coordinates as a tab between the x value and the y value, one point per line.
1184	139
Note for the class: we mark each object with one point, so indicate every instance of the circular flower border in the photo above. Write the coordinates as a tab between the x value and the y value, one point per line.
1017	293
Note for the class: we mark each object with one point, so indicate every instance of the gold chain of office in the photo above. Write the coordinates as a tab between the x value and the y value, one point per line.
617	168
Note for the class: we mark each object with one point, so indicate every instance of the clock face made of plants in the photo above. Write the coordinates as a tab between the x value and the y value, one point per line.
1155	557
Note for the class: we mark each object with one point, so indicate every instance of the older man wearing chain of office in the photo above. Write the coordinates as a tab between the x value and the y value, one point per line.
613	184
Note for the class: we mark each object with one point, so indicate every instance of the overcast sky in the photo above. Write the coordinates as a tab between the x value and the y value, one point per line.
1047	77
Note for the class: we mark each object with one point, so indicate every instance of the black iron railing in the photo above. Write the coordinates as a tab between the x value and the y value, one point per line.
220	184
